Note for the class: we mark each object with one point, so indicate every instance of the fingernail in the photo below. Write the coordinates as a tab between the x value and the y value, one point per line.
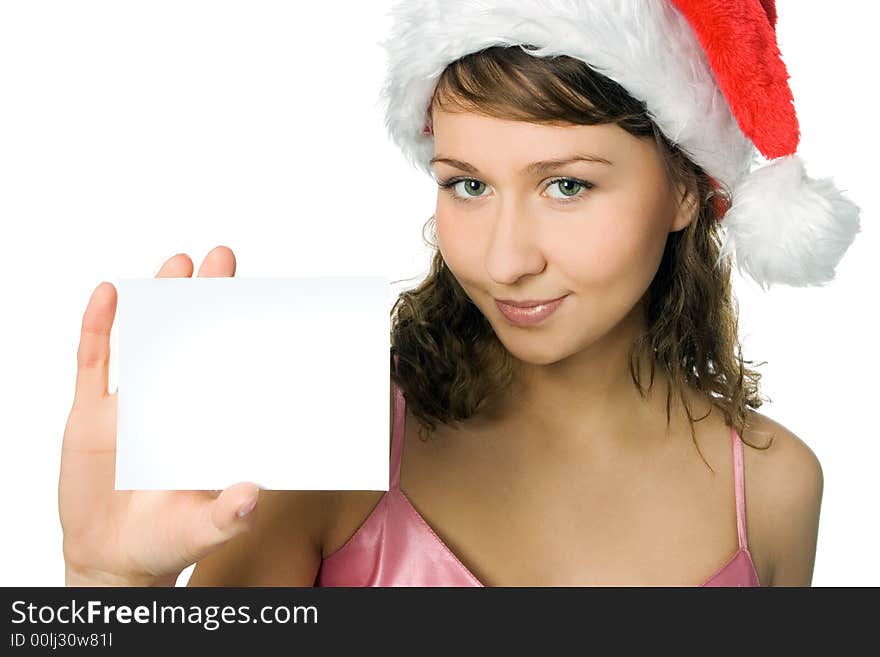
247	508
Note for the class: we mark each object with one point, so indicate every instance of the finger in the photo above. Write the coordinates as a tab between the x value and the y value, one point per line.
220	261
178	265
93	353
220	519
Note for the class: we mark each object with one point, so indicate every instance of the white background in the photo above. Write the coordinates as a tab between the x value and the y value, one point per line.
132	131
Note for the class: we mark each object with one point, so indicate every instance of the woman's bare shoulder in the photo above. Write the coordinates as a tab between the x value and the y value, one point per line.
282	548
784	482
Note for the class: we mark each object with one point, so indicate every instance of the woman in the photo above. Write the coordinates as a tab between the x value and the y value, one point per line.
605	436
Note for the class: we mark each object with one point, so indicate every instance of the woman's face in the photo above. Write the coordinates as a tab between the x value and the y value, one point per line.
507	232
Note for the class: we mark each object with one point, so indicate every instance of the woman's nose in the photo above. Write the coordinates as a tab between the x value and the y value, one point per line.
513	250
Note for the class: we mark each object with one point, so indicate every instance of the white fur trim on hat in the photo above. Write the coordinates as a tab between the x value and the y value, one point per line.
646	46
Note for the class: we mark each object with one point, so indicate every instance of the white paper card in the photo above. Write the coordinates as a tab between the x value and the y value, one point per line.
278	381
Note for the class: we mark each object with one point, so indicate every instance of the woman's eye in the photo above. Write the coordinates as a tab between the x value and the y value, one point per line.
568	186
471	187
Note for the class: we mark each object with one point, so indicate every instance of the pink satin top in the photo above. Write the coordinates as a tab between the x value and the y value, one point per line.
394	546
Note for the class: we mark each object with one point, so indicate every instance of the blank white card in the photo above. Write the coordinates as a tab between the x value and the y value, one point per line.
278	381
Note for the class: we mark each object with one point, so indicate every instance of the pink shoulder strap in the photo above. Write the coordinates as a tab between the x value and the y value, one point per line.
739	488
397	437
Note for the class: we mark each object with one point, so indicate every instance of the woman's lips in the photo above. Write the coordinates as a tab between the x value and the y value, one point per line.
530	315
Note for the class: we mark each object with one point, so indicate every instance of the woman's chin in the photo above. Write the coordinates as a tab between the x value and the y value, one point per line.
533	349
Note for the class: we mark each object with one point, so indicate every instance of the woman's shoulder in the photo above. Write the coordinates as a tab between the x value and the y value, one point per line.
784	484
788	468
282	547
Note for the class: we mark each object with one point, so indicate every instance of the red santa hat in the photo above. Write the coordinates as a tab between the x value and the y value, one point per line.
712	78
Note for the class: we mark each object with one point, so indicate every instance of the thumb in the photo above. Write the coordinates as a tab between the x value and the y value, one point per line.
226	516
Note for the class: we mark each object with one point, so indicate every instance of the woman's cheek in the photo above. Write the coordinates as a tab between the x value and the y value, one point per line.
595	256
624	249
456	244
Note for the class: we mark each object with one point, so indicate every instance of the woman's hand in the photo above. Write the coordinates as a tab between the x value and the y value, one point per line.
132	538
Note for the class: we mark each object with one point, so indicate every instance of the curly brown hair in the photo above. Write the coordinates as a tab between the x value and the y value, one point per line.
445	354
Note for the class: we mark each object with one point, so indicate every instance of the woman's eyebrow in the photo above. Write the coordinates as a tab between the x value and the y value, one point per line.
542	166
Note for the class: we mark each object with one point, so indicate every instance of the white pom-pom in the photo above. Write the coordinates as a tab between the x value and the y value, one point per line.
787	228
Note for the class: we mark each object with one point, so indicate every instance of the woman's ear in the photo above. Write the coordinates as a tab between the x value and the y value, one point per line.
687	205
